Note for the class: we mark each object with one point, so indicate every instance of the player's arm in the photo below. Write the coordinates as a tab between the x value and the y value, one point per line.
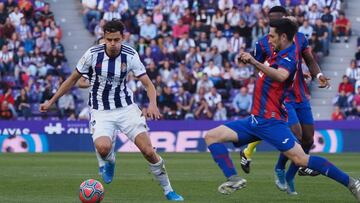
83	82
65	87
314	69
279	74
153	111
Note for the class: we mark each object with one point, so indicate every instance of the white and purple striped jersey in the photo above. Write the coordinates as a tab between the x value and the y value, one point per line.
108	76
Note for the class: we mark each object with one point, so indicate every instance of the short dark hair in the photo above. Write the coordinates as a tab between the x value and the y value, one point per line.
115	25
278	9
284	26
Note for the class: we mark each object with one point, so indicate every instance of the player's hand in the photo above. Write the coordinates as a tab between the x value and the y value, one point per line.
153	112
307	76
44	107
323	82
246	57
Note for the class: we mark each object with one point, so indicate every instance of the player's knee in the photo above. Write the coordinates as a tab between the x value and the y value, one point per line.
210	137
103	149
300	160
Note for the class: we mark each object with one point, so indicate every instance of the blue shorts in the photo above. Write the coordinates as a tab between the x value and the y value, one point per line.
299	113
253	128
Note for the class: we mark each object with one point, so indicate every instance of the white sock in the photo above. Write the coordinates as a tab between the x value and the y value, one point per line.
159	171
101	161
111	156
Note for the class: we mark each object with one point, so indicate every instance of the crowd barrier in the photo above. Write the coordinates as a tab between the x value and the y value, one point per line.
166	136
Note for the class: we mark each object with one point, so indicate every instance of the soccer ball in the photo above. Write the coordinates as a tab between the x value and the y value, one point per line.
91	191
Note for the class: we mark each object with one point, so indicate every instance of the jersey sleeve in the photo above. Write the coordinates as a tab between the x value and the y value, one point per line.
304	43
84	63
258	52
288	64
136	66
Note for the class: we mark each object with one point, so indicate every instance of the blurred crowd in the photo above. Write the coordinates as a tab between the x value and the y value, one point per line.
32	60
189	48
347	101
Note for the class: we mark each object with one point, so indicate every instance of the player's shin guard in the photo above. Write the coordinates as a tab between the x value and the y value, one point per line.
221	156
159	171
326	168
111	156
249	150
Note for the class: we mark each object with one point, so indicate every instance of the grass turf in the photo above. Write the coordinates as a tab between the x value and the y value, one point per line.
55	177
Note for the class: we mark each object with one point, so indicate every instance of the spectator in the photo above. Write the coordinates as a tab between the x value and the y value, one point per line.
225	5
66	105
184	102
220	42
3	13
22	104
180	29
249	16
16	16
204	43
320	4
303	6
234	45
90	12
322	32
10	5
202	111
185	43
175	16
213	72
337	114
353	72
111	14
158	17
346	86
313	14
342	28
44	43
242	102
187	18
205	83
357	56
306	29
6	61
220	113
218	20
212	98
181	4
167	103
14	43
46	14
233	17
148	30
7	104
140	17
316	46
271	3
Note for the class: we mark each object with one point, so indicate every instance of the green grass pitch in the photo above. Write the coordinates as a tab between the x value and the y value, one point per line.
55	177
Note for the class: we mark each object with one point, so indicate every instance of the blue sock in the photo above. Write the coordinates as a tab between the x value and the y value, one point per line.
221	156
281	163
306	149
291	172
326	168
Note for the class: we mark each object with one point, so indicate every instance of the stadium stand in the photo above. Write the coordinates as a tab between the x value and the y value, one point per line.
188	47
32	61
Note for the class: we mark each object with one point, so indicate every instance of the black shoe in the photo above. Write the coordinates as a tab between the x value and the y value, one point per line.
307	172
346	40
244	162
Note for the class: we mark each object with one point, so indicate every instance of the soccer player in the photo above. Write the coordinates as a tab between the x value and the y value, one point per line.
300	118
113	108
268	116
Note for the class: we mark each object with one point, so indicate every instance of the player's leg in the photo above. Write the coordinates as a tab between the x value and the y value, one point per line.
156	165
136	129
237	132
101	162
103	128
326	168
307	125
280	177
246	156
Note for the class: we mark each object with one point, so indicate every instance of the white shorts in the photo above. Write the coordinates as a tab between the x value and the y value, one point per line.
129	120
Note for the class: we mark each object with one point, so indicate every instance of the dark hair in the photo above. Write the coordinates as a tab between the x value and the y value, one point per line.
278	9
284	26
115	25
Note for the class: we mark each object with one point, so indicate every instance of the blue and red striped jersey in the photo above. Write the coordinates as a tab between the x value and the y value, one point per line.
299	92
268	94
